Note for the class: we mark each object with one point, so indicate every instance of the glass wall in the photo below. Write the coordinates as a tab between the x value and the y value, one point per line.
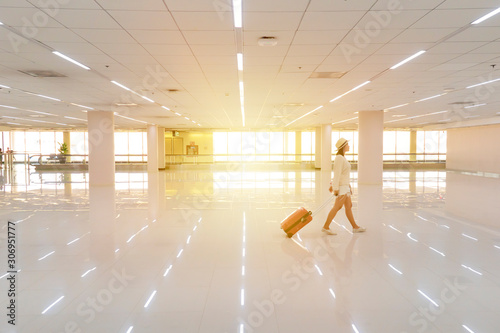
254	146
131	144
280	146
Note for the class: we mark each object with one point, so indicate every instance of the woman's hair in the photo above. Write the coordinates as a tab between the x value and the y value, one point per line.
341	151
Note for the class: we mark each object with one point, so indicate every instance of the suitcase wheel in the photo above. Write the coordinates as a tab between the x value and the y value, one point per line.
289	235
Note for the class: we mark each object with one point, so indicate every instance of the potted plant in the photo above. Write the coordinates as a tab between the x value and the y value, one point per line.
63	150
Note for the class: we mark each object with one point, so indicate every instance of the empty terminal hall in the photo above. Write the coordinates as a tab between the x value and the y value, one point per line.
249	166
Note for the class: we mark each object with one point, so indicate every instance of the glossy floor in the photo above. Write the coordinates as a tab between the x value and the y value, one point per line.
202	251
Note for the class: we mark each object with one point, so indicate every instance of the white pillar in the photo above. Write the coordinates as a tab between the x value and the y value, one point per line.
326	147
370	149
317	153
101	148
152	148
161	148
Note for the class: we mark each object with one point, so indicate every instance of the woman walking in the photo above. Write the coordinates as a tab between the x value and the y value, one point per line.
341	188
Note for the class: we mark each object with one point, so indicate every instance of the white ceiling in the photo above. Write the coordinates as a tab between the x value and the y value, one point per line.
182	55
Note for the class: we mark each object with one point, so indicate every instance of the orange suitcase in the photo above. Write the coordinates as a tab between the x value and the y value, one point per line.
300	218
296	221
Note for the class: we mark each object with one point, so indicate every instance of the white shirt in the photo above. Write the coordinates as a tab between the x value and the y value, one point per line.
341	172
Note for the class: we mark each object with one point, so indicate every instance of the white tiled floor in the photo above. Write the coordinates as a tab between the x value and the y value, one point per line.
205	252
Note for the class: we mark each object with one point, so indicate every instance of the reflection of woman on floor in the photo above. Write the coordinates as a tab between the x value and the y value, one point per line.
341	189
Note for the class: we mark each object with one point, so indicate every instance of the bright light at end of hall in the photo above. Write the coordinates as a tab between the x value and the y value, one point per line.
65	57
487	16
408	59
237	12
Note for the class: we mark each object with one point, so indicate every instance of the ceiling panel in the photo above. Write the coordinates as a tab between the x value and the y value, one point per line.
191	42
330	37
259	21
329	5
157	36
310	50
214	50
74	19
275	5
422	35
453	18
130	4
144	20
330	20
209	37
200	21
199	6
477	34
112	36
167	49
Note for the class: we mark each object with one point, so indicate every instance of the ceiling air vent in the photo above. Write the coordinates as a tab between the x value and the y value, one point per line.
326	75
41	73
267	41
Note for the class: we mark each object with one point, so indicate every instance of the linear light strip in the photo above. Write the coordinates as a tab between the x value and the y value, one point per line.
65	57
427	98
487	16
408	59
355	88
480	84
239	58
343	121
422	115
238	13
319	107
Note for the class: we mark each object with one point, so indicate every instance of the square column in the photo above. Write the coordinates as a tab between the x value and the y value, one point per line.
371	148
152	148
317	152
326	147
101	148
161	148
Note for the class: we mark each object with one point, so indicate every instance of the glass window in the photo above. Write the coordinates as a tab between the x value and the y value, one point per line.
307	146
5	141
33	143
121	146
276	146
135	146
220	146
248	146
78	144
234	146
420	145
431	145
262	146
18	143
389	145
48	143
290	146
442	145
402	145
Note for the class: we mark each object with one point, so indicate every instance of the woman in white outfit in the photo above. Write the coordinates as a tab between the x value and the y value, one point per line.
341	189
